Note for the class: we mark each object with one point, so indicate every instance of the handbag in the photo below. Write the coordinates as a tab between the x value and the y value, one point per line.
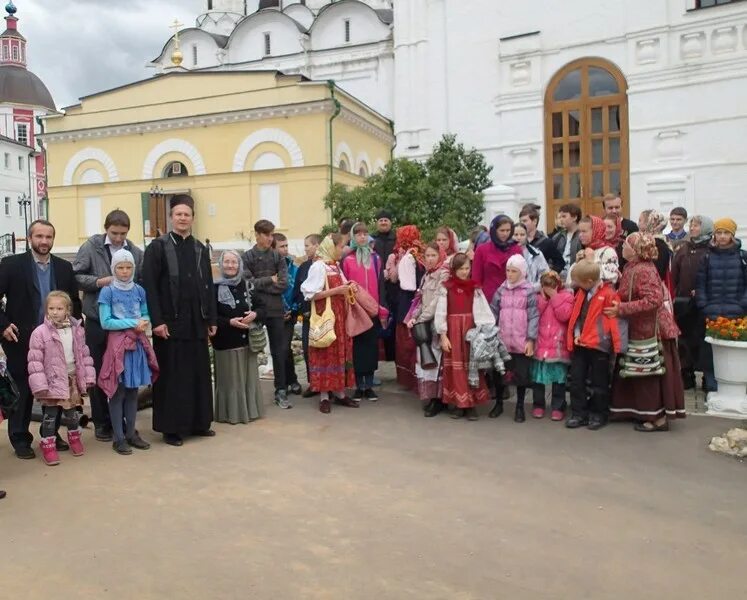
9	395
257	338
357	320
367	302
422	333
643	358
322	326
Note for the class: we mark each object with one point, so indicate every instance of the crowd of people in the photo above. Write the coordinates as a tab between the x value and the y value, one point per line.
605	310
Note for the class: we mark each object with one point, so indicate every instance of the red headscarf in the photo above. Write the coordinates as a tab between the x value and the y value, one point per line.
453	240
619	237
408	240
441	264
597	235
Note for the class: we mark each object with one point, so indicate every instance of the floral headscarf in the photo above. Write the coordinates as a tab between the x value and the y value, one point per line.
653	222
326	250
224	283
706	229
494	225
408	240
362	253
644	246
598	239
609	265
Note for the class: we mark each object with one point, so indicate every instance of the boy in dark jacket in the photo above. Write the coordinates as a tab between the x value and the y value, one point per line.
592	337
721	289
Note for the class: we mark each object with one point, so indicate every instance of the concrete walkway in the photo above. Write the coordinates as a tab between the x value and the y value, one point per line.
380	503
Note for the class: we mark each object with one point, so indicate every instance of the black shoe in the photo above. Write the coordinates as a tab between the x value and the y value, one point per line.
60	444
370	395
497	410
122	447
358	395
596	423
347	401
204	433
519	415
25	452
281	399
688	380
471	414
172	439
2	494
103	434
137	442
295	389
435	407
576	422
458	413
309	393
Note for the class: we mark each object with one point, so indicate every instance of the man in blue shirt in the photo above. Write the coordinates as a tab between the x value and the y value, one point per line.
290	307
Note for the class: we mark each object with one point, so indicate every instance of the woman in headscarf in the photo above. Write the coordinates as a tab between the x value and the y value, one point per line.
330	367
364	266
685	265
653	223
596	247
405	266
650	400
238	395
448	242
489	266
536	263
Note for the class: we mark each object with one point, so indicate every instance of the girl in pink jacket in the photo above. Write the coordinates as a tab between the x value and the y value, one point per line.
60	373
551	356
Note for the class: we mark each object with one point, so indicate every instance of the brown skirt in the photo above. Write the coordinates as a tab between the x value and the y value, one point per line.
648	399
73	401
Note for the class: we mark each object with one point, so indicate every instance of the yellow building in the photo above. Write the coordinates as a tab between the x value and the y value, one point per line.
245	145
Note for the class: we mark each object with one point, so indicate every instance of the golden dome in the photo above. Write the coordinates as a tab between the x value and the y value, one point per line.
177	57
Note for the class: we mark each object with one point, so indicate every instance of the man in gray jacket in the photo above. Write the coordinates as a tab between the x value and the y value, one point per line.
92	268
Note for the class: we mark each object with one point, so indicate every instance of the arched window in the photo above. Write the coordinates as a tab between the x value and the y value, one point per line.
363	171
586	136
175	169
344	165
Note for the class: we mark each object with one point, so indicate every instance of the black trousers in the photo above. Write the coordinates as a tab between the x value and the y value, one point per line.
592	365
305	344
276	336
558	396
290	363
96	342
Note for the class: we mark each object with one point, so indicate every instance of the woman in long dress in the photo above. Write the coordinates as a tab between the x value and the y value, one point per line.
653	400
238	395
330	367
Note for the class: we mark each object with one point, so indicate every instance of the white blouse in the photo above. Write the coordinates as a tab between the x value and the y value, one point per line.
316	279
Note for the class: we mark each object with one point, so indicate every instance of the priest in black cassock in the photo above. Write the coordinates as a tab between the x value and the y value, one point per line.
178	280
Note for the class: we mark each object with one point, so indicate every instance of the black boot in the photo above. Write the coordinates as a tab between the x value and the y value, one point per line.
497	410
519	415
435	407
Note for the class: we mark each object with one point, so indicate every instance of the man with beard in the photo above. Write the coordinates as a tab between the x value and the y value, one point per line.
92	267
25	281
179	284
384	241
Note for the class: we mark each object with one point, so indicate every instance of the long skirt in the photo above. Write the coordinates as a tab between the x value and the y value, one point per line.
429	380
183	393
238	394
456	388
405	357
366	351
648	399
331	367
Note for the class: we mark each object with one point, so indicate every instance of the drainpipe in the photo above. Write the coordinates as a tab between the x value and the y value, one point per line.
335	114
394	136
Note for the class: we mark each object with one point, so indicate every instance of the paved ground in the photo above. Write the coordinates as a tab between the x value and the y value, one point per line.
380	503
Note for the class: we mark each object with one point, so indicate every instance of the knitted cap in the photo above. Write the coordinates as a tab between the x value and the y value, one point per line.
517	261
726	224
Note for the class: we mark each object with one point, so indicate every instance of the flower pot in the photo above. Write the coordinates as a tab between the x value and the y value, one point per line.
730	370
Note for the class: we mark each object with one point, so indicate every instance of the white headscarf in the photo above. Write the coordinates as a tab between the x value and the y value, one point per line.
123	256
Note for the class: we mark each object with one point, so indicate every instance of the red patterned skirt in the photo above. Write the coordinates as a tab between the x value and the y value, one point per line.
331	368
456	388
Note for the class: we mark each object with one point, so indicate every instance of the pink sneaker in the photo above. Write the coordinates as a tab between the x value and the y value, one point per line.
76	444
538	413
557	415
48	447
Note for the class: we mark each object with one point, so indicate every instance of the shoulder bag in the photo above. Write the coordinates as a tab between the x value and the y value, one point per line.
357	320
322	326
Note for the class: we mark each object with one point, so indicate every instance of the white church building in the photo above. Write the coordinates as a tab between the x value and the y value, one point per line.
568	101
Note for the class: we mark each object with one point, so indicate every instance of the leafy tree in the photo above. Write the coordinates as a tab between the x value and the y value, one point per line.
447	189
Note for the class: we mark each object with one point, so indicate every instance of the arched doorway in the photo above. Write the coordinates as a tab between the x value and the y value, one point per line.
586	136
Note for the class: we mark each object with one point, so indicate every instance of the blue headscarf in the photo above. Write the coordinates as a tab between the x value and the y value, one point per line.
497	221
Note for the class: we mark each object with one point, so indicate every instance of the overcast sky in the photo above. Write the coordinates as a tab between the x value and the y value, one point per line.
79	47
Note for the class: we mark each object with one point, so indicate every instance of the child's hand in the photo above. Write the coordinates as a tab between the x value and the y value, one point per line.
411	323
549	292
577	341
445	343
529	349
142	326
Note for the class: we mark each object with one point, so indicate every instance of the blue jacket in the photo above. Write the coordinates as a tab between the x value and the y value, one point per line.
289	302
721	289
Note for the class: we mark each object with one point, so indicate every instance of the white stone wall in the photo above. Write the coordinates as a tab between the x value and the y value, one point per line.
14	182
687	82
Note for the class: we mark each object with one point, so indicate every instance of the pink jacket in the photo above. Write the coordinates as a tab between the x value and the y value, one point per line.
553	326
112	366
516	312
47	367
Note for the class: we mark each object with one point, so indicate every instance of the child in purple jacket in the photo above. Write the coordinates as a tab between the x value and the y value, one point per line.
515	307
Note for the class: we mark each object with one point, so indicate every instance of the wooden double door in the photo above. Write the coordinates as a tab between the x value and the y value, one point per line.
586	137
